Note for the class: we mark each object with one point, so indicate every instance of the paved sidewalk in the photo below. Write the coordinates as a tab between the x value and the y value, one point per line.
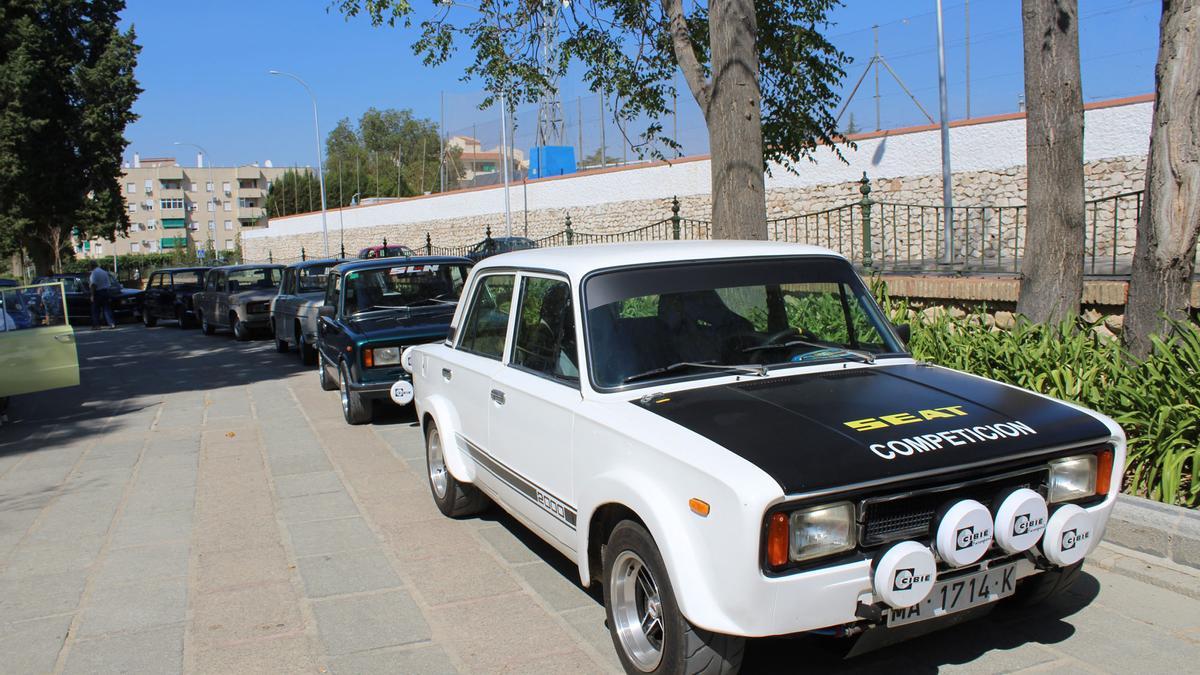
205	509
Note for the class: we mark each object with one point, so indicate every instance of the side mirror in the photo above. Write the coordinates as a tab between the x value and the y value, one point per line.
327	312
904	331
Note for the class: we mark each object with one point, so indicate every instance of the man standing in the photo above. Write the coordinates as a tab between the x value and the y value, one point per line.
99	281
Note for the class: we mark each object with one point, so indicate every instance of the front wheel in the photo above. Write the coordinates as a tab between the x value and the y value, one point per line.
327	383
649	632
355	409
281	345
241	332
147	320
453	499
308	353
182	318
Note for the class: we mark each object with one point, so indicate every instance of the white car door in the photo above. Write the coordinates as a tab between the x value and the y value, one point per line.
479	348
531	412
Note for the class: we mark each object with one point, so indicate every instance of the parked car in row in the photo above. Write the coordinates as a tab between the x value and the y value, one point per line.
294	310
169	294
733	440
237	297
372	310
37	343
389	251
497	245
126	303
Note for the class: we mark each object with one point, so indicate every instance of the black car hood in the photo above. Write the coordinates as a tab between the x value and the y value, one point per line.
403	325
822	431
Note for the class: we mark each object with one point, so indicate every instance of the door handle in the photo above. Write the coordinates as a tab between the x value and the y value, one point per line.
498	396
446	374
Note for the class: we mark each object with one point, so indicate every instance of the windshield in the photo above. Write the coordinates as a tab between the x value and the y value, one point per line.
680	321
70	284
188	279
403	286
254	278
389	252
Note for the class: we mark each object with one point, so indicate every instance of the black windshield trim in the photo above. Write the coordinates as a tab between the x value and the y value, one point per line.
585	306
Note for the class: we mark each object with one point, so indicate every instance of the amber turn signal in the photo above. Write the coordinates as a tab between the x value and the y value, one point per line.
369	358
699	507
777	540
1104	469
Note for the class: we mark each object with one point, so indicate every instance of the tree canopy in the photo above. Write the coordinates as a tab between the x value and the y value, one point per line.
763	74
388	153
67	90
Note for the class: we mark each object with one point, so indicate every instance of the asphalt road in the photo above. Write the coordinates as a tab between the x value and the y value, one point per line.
198	505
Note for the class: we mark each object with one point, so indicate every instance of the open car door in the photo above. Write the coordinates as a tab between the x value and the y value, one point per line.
37	343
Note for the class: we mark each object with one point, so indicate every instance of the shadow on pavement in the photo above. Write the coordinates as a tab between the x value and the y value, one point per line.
132	369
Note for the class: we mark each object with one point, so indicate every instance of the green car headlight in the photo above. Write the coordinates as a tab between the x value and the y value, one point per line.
381	356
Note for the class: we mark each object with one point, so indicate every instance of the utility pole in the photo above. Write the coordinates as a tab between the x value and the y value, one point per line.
399	160
424	149
875	60
603	149
358	173
579	116
341	221
967	10
947	184
442	145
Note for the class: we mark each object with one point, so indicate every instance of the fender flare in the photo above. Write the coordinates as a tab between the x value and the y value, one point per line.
666	526
444	415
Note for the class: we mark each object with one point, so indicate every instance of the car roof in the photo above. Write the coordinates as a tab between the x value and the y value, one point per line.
183	269
305	264
373	263
248	266
578	261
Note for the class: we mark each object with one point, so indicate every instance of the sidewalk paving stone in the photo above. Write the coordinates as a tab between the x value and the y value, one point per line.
33	646
232	568
428	660
346	572
361	622
301	484
153	652
246	613
136	606
321	506
331	536
139	563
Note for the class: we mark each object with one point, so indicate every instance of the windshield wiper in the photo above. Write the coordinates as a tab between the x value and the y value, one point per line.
858	355
760	370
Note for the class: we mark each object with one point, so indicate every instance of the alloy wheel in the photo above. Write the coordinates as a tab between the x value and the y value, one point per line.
637	611
437	464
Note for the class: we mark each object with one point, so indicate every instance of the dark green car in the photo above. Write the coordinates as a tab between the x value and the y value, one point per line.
373	310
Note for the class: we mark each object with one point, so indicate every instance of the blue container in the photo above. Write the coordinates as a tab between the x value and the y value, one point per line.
551	160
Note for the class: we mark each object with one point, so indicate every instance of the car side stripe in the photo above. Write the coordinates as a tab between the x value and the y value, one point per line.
525	487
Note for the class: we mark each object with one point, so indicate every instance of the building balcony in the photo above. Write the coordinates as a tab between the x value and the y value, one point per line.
251	213
168	214
164	193
170	173
172	242
251	193
249	173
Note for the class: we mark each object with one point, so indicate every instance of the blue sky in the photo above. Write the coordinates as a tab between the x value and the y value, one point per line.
204	70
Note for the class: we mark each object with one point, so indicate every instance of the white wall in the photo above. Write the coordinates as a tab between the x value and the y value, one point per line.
1116	131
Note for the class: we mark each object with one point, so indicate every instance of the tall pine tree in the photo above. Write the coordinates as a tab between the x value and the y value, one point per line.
67	90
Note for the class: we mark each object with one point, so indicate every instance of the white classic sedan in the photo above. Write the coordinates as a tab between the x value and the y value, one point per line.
732	439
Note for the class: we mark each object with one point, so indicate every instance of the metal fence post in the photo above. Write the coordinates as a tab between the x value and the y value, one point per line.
270	257
343	250
384	248
675	218
864	186
569	231
303	255
428	244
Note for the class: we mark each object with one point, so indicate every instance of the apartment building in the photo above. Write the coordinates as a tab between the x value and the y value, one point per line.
169	205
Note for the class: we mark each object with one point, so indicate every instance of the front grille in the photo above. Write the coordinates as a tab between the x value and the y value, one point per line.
910	515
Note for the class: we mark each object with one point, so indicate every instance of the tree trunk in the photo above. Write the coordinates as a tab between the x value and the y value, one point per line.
739	207
731	106
1165	255
1052	271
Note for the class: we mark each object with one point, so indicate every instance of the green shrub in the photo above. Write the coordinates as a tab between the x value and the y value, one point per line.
1155	401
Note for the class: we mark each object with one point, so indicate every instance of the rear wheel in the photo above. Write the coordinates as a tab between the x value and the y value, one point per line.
147	320
182	317
650	633
453	499
355	409
206	327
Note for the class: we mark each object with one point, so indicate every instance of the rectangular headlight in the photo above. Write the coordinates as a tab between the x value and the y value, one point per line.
384	356
1072	478
257	307
821	531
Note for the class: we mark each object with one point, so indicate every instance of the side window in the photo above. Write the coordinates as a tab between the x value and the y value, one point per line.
332	287
155	280
487	318
289	276
545	339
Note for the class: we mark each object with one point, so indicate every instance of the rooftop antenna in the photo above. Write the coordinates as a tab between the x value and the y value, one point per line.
550	114
876	61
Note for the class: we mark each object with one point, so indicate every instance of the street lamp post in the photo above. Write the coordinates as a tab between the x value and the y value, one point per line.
320	167
212	178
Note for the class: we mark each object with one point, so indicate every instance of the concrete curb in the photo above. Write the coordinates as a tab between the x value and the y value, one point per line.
1156	529
1145	568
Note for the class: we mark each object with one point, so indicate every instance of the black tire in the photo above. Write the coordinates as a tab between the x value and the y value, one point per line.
1039	588
355	408
327	383
457	499
149	321
682	647
206	327
308	353
281	345
241	332
182	317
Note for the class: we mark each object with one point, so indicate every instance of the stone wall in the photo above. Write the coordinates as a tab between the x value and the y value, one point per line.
989	228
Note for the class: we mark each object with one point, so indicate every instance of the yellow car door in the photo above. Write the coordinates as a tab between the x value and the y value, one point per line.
37	343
